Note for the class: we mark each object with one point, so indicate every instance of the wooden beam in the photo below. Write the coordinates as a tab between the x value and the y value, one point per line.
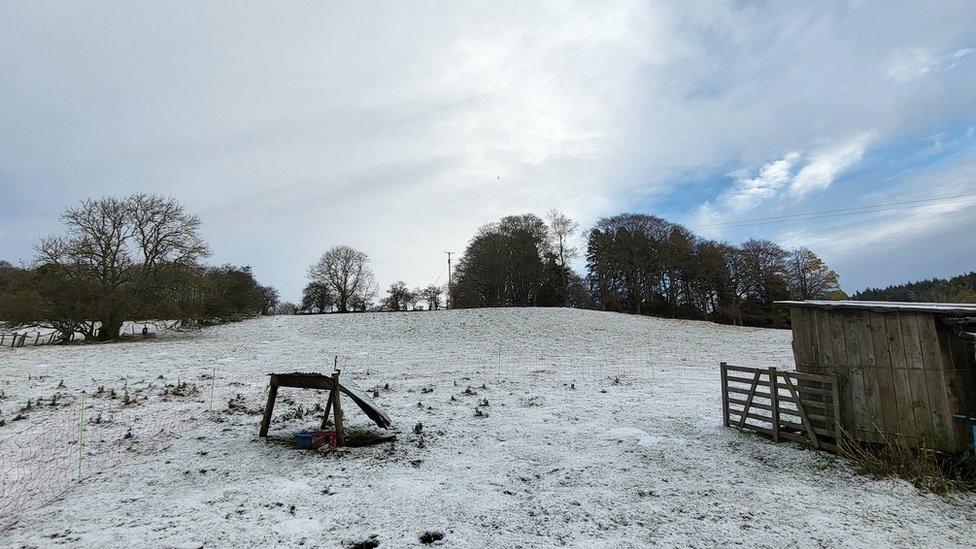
340	436
268	408
328	408
299	381
725	393
774	397
838	429
752	394
803	414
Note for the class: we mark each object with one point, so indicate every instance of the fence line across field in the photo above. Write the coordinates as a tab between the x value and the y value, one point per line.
84	430
82	435
19	340
37	338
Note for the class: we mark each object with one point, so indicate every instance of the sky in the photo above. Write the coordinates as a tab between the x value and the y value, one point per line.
400	128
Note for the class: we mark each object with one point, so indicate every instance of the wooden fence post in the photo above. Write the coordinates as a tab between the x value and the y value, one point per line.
774	401
268	409
337	410
725	393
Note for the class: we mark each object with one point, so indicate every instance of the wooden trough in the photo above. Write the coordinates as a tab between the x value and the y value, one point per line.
332	384
902	371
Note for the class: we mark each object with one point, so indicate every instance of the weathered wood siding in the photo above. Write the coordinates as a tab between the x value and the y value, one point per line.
902	374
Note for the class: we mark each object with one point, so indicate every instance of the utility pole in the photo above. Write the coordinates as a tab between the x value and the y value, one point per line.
449	279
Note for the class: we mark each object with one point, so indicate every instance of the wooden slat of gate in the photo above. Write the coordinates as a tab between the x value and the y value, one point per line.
752	394
803	414
822	422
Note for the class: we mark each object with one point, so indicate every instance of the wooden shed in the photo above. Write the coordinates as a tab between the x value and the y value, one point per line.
903	371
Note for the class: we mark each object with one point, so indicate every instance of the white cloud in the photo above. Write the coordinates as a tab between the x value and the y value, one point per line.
914	63
959	55
751	191
793	176
910	64
826	165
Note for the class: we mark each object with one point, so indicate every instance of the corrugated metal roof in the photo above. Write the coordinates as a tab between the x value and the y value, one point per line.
965	309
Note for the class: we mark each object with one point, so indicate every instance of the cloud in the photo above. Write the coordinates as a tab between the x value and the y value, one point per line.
400	130
826	165
793	176
902	243
751	191
914	63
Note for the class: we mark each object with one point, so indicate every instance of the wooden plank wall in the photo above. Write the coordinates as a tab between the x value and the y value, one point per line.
901	375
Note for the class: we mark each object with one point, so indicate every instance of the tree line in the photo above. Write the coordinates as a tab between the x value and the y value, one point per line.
958	289
137	257
342	281
635	263
140	257
646	265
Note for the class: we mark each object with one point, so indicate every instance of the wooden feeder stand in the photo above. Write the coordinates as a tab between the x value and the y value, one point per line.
323	382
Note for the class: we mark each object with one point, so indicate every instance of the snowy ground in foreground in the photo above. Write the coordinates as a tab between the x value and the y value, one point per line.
599	430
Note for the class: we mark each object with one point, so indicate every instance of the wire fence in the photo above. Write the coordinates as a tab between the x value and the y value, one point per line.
53	443
56	441
44	336
35	338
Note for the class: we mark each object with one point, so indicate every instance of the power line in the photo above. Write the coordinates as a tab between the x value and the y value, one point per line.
417	263
438	279
838	212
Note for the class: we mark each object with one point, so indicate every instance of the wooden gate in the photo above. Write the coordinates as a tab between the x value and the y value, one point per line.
784	405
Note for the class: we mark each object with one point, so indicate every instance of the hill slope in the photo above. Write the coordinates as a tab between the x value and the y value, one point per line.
540	427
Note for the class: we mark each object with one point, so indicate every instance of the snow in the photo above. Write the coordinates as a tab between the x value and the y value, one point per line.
600	430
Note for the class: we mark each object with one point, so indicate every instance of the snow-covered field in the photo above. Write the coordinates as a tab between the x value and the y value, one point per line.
541	427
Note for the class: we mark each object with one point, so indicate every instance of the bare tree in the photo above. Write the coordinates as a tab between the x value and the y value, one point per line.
345	270
270	299
432	296
286	308
561	229
808	276
126	252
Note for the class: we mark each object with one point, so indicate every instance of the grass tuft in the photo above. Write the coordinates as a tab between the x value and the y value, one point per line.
928	470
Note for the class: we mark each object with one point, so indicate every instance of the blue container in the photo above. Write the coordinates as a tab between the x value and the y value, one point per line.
310	440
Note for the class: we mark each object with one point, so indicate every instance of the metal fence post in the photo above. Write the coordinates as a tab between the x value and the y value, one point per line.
213	382
81	435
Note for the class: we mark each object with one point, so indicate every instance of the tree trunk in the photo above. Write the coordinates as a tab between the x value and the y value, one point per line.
108	330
